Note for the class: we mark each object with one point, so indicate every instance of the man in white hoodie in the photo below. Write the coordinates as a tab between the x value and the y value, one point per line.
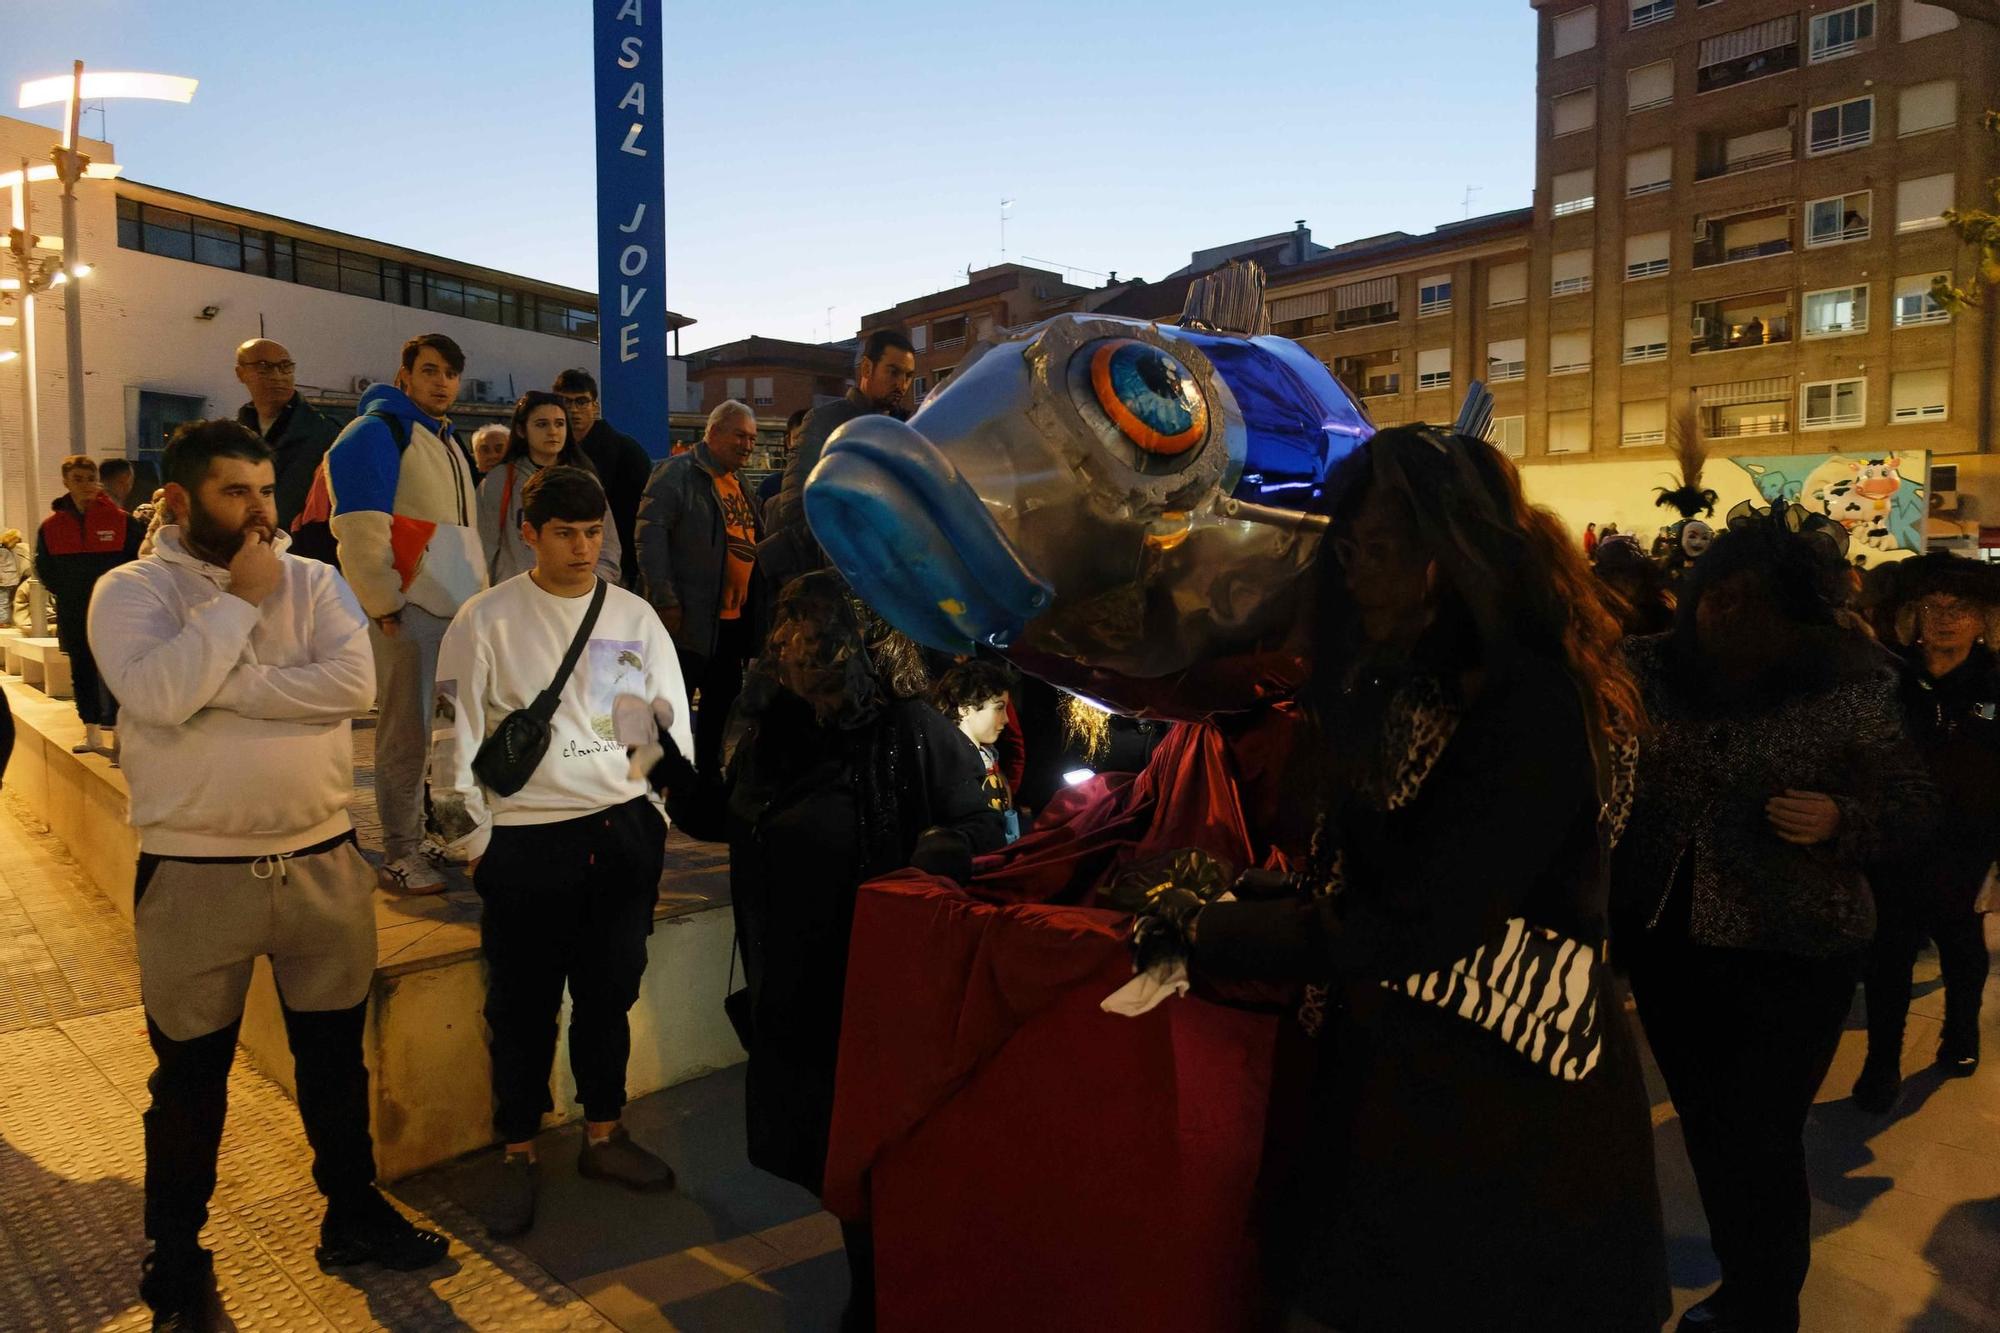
241	668
568	866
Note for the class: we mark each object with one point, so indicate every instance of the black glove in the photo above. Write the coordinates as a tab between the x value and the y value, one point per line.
672	772
945	853
1165	895
1263	885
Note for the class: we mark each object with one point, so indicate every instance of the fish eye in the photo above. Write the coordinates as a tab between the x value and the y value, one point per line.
1149	395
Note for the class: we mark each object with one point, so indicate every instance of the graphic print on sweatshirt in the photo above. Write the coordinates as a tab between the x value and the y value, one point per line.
612	667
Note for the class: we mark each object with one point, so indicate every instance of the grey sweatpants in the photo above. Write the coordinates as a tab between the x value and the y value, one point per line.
406	666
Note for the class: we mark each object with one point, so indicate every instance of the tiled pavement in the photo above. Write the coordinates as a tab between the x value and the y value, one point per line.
1906	1216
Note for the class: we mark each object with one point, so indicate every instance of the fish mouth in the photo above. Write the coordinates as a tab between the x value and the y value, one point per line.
915	541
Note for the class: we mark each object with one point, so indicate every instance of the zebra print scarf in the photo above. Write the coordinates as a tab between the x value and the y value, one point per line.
1536	989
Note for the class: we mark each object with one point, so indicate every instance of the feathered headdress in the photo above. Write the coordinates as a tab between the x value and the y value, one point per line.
1688	498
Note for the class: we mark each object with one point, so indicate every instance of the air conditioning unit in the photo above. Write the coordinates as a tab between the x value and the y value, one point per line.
360	384
1702	227
479	391
1698	326
1944	502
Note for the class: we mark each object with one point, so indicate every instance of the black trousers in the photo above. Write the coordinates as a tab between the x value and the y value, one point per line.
190	1097
1744	1039
718	676
566	903
1961	946
94	704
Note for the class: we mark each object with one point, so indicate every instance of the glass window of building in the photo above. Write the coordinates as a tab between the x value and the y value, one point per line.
1833	405
1914	302
1643	423
1836	312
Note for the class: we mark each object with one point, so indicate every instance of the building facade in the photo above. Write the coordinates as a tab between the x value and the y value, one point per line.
945	325
177	282
1736	229
775	376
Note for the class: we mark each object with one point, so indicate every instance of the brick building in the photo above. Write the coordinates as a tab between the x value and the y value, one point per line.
774	375
945	325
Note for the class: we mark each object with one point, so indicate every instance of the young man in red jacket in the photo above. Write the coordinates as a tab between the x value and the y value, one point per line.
86	537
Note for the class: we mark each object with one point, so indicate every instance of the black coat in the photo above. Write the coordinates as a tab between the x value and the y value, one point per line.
1953	724
789	548
813	812
299	439
623	465
1436	1178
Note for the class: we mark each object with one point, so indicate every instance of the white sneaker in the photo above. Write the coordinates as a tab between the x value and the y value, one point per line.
410	874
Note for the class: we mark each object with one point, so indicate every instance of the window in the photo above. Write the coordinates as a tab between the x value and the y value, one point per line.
1843	32
1921	203
1833	405
1649	172
1923	107
1739	236
1643	423
1922	20
982	328
319	266
1914	303
1645	339
1506	360
1844	125
128	224
1734	323
1574	192
1747	143
1569	353
737	387
1755	52
1300	316
1839	219
1918	395
1507	284
482	302
166	232
1645	13
1509	435
1434	295
948	332
1649	86
1836	312
1569	432
1570	273
1746	407
1574	31
940	375
1356	304
219	244
1434	368
920	337
1646	255
1372	374
1574	112
762	392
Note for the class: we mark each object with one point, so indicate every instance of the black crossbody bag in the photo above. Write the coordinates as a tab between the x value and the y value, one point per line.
509	757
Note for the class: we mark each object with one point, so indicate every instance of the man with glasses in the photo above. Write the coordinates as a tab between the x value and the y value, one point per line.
698	536
622	464
296	431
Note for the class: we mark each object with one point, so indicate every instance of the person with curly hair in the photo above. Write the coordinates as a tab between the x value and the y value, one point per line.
1777	771
973	694
1478	1152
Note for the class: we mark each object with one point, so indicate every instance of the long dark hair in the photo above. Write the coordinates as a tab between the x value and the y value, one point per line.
572	454
1511	582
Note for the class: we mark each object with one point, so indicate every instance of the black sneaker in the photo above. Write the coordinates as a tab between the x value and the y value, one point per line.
511	1210
179	1285
619	1160
1878	1087
369	1230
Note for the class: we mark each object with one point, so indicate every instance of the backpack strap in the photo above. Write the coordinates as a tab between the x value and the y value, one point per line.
399	429
506	504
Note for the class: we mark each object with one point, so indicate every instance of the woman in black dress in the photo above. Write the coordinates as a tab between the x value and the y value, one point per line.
1476	1150
1776	774
843	772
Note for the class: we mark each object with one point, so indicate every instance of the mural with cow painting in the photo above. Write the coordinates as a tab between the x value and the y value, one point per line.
1881	499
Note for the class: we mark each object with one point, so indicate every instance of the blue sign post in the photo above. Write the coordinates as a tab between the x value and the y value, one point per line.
631	228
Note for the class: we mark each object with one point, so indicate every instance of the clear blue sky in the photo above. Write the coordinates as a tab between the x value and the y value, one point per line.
822	153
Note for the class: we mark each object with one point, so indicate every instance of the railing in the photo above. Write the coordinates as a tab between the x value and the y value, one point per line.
1646	268
1645	16
1583	205
1851	139
1834	420
1742	252
1853	231
1569	286
1653	105
1928	412
1650	187
1933	314
1500	372
1434	379
942	344
1632	439
1730	430
1770	157
1839	330
1570	368
1440	307
1847	46
1388	388
1645	352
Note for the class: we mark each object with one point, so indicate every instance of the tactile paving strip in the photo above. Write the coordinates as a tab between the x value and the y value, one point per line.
64	950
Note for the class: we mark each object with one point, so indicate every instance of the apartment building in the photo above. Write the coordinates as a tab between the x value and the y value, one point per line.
945	325
776	376
1737	225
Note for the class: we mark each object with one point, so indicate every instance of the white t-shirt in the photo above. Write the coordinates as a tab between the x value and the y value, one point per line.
500	651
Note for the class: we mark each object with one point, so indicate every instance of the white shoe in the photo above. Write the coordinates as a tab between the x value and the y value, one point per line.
410	874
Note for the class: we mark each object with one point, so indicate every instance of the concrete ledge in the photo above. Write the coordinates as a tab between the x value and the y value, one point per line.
426	1040
38	662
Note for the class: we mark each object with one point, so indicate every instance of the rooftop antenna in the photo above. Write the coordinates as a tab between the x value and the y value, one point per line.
1005	204
1067	269
1470	190
829	323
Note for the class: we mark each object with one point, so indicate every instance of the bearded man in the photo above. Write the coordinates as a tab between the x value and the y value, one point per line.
240	668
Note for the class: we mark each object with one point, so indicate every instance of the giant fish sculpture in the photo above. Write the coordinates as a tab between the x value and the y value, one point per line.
1127	510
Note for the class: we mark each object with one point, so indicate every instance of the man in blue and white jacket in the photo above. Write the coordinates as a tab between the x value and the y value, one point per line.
405	515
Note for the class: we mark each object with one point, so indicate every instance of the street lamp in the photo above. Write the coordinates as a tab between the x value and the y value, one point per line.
71	166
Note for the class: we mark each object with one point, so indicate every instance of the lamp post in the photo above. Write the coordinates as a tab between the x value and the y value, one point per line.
72	166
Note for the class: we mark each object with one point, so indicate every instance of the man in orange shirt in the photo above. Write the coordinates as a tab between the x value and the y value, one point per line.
697	537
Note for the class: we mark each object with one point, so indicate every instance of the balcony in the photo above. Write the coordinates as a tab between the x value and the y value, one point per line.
1573	206
1738	323
1755	234
1503	372
1756	52
1645	15
1570	286
1634	439
1751	420
1641	353
1767	140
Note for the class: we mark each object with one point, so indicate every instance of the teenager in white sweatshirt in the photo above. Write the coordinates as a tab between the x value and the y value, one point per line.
568	867
240	668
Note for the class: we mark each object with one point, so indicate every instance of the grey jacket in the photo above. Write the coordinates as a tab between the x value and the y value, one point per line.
500	534
683	547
